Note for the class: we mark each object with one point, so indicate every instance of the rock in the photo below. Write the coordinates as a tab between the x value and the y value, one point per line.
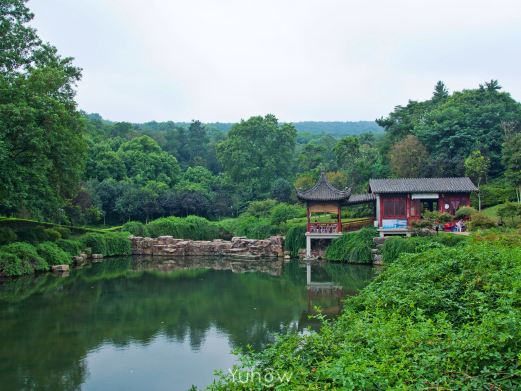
97	256
287	256
60	268
79	260
238	246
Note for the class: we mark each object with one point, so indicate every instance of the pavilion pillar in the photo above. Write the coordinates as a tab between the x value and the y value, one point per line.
308	246
339	221
308	215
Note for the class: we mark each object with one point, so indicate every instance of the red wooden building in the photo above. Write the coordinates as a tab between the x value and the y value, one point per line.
401	201
397	203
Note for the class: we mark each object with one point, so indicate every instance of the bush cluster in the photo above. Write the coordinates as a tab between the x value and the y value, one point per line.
394	247
295	239
20	258
353	247
443	318
136	228
190	227
480	221
53	254
108	244
73	247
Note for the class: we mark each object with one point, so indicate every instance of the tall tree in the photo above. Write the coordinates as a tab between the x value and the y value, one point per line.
476	167
41	132
408	158
256	151
440	92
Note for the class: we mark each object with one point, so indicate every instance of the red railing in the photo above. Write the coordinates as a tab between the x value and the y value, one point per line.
329	228
323	228
358	224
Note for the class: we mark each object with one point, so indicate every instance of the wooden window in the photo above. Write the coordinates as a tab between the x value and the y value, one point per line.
394	208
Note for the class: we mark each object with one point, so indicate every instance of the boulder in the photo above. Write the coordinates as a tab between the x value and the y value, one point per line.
60	268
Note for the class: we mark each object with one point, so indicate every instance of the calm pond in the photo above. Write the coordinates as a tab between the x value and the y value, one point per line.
135	324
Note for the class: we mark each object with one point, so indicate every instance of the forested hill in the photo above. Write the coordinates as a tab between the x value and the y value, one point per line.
333	128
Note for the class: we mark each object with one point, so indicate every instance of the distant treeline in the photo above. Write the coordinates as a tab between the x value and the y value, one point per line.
333	128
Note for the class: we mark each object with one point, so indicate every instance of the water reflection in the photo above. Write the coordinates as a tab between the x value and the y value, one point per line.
155	318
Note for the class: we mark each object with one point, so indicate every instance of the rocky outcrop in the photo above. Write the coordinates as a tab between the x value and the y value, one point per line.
238	247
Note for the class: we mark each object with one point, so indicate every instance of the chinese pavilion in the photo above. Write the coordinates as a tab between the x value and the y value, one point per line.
397	203
323	198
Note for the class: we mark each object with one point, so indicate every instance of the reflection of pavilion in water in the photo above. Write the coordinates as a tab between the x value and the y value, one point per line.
326	295
268	266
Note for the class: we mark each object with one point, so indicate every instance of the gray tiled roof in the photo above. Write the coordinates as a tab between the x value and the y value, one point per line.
361	198
323	191
422	185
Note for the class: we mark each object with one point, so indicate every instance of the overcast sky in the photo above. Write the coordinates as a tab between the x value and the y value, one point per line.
223	60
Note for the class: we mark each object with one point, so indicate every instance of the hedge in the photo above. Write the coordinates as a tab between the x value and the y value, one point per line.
73	247
53	254
20	258
353	247
108	244
190	227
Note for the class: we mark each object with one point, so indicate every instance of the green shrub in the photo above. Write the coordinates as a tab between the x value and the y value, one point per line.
136	228
465	212
53	254
422	223
64	232
295	239
190	227
73	247
446	318
509	212
52	234
7	235
283	212
436	217
353	247
249	226
108	244
11	265
29	258
480	221
393	247
261	208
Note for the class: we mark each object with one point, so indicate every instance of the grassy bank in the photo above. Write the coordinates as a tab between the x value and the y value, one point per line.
442	317
19	258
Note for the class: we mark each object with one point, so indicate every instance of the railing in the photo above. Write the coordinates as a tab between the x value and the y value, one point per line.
358	224
323	228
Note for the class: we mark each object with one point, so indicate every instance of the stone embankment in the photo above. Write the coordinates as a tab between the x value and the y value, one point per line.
237	247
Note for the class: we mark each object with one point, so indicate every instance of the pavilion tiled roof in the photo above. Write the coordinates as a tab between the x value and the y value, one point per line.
422	185
323	191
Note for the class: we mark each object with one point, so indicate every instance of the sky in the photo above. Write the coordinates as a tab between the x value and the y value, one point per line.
322	60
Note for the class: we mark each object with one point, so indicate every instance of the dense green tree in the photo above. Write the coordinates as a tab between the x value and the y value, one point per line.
281	190
466	121
41	140
145	161
255	152
408	158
